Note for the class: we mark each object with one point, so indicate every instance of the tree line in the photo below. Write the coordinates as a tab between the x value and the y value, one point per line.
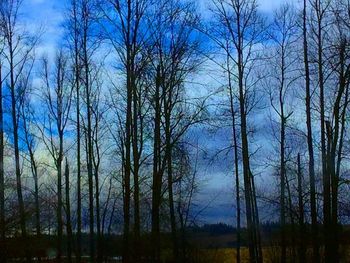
96	139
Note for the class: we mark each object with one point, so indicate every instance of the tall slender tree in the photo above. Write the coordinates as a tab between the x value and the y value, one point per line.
313	204
58	92
126	21
86	22
18	50
243	25
75	44
284	37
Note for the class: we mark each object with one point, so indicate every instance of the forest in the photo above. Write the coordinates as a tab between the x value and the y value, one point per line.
108	136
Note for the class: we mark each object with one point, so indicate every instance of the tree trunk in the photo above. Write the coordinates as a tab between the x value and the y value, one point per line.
249	198
236	167
136	159
15	141
86	64
128	121
282	173
334	140
157	174
325	173
77	89
59	197
68	215
168	154
2	178
97	196
302	247
314	226
292	254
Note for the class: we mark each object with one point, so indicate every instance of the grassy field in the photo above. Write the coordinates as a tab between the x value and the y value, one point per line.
228	255
271	255
222	255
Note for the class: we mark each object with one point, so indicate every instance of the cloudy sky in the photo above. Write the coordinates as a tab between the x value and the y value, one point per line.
49	15
216	187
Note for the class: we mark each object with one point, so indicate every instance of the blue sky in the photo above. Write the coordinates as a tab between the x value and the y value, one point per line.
217	182
49	14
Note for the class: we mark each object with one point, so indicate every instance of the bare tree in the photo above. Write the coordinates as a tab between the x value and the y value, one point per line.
176	57
86	22
18	52
335	137
127	38
27	114
75	43
315	242
58	92
233	112
243	26
284	37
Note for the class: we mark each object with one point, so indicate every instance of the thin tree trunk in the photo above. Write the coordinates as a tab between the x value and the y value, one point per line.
36	195
36	186
97	196
105	210
2	177
334	140
314	226
15	141
157	176
86	62
34	170
325	173
68	215
249	198
256	222
109	231
59	197
292	254
236	167
136	159
302	248
282	167
78	253
128	120
167	112
246	171
77	89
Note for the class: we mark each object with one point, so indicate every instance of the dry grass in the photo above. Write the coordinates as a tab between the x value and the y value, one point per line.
228	255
